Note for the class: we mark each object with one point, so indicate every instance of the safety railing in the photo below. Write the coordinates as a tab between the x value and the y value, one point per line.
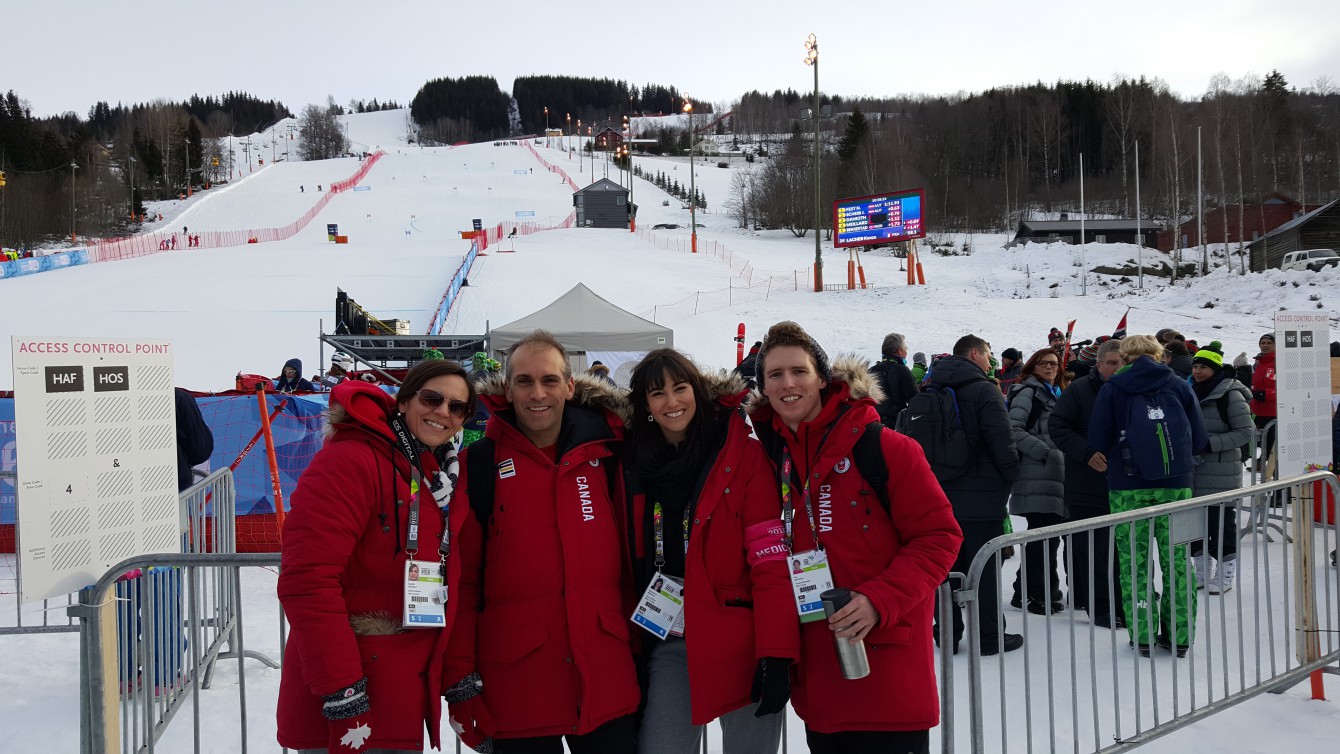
171	626
148	648
1189	654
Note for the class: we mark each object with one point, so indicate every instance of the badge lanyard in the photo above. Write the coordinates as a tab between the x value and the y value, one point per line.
658	530
788	504
415	485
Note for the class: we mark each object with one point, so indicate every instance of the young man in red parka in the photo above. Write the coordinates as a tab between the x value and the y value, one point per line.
542	643
892	559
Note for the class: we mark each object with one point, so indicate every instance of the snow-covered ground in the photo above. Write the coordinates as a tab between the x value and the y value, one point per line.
250	308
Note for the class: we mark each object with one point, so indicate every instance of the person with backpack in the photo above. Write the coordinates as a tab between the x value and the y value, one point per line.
1039	493
542	646
705	515
1147	423
895	379
961	423
1228	422
862	511
1093	584
362	670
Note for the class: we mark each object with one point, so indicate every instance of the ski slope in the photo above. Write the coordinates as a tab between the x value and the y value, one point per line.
250	308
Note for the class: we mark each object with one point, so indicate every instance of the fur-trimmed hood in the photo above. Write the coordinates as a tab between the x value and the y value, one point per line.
849	369
359	404
591	392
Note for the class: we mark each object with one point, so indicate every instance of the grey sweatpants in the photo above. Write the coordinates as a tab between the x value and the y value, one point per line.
667	726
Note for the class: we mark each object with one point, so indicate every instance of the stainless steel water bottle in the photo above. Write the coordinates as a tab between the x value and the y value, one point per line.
851	656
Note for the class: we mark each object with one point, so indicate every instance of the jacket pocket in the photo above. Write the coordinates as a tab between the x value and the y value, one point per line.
897	634
734	597
513	643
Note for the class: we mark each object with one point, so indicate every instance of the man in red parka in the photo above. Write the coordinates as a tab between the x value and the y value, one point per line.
1263	393
545	587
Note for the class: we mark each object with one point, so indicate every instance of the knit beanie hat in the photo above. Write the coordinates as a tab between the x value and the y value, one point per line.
1055	334
1212	355
1270	336
919	358
1012	354
787	333
1089	353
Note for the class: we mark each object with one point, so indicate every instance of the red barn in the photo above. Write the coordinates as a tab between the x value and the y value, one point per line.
1259	218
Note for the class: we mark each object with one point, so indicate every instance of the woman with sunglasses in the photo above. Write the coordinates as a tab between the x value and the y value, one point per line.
364	659
705	514
1039	493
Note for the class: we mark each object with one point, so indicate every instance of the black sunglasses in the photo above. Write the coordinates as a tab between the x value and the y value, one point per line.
433	399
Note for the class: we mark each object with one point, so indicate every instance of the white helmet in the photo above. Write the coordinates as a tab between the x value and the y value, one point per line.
342	359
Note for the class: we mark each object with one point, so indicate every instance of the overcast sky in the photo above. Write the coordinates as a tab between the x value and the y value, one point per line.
63	55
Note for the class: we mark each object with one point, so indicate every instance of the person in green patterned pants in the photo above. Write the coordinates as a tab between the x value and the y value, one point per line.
1173	615
1148	424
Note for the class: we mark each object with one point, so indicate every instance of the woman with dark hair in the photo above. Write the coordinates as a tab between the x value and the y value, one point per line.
705	514
363	668
1039	493
891	544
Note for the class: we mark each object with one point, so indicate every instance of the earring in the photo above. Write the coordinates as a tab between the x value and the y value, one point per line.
651	418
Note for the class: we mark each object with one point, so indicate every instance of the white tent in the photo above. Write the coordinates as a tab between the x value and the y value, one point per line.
591	329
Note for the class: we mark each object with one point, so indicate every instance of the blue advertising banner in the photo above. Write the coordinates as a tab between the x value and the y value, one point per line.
8	441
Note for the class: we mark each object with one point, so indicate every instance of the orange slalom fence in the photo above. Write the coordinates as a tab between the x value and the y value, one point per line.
550	166
165	241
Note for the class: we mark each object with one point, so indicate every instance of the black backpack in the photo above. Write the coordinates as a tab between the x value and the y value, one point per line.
933	419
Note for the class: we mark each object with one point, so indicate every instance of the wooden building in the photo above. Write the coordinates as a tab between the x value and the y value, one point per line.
1095	231
1318	229
608	139
1258	219
603	204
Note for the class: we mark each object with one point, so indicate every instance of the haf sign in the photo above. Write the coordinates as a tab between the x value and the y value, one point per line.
97	474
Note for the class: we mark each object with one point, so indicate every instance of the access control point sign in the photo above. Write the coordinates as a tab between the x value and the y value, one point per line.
96	439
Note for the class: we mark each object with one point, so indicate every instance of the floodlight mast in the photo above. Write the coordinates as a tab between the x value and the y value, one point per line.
812	59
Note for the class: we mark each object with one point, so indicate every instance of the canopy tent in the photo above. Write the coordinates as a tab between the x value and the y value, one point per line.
590	328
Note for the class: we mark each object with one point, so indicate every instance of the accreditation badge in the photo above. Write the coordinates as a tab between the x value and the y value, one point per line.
425	594
810	577
661	607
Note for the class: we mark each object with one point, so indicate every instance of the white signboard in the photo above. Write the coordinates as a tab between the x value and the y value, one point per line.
1302	391
97	438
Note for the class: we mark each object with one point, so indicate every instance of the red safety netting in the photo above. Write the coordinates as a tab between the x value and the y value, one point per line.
161	241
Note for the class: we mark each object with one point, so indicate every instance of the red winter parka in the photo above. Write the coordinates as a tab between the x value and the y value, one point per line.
1263	381
343	558
895	558
737	594
545	597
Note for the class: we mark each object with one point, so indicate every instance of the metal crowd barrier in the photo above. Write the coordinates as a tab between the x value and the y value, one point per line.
141	658
155	651
1088	688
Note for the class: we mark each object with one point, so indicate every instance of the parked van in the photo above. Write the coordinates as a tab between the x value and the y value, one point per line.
1310	259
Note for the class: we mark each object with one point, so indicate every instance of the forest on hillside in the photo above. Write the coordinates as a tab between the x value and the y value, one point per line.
986	159
990	159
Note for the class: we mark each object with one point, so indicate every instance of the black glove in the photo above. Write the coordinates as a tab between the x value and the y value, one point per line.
1259	395
772	685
